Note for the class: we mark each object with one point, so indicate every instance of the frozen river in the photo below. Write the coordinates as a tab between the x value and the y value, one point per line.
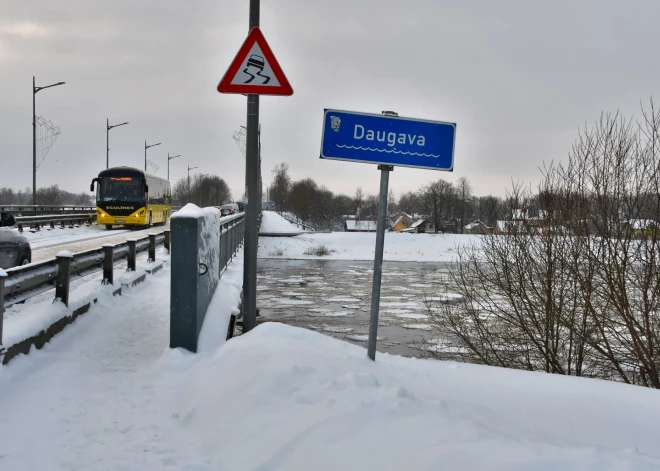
334	297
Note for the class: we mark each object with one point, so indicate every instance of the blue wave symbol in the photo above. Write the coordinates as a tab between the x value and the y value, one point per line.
388	151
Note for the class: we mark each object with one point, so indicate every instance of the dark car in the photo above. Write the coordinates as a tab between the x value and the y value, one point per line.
14	247
241	206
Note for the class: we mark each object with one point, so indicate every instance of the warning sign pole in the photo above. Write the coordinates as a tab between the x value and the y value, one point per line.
253	205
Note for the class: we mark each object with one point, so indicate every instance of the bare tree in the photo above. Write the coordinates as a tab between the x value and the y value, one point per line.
438	200
357	201
280	188
204	190
391	203
432	203
572	287
411	203
463	193
489	210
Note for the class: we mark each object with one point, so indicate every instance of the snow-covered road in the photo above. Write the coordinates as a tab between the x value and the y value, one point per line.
48	242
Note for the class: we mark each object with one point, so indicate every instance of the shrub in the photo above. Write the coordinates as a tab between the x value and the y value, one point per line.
320	251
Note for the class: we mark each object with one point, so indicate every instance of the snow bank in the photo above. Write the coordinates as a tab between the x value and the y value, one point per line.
362	246
189	210
273	223
286	398
23	321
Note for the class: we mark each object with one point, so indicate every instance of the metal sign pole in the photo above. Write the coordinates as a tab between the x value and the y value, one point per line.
253	204
378	259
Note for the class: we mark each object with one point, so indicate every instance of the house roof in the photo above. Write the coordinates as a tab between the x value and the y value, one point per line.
398	220
361	225
474	224
418	223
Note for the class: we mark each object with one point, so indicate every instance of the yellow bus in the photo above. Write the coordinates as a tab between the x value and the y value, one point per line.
131	197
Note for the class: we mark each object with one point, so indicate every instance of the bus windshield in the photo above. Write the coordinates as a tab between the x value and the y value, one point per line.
127	189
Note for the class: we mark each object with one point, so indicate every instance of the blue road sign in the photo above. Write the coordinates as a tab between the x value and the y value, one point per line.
388	140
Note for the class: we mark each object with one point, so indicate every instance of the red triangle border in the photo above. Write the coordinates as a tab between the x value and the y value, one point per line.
225	85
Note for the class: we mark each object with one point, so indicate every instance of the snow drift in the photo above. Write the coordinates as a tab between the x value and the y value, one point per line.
287	398
273	223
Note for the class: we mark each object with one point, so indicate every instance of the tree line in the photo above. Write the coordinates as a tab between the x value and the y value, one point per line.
202	190
449	206
47	196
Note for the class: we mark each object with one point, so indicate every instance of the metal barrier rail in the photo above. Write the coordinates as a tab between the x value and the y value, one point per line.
196	273
298	222
38	221
52	215
36	210
21	283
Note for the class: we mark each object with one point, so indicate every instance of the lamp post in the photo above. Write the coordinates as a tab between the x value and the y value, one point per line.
145	153
189	169
107	140
36	89
168	164
201	194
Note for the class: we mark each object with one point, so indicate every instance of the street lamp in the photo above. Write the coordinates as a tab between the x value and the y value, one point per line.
168	163
145	153
189	169
36	89
107	140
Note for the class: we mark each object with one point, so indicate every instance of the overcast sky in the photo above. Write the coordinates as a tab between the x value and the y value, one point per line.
518	78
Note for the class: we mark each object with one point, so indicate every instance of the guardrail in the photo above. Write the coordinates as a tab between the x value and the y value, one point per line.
298	222
40	210
18	284
51	215
38	221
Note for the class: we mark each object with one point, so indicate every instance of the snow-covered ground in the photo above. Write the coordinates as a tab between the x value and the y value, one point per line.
362	245
273	223
108	394
37	313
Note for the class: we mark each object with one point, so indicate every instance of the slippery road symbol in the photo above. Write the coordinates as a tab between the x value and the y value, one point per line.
257	62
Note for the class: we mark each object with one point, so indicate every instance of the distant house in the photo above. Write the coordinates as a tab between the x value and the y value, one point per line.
477	227
351	225
421	226
401	222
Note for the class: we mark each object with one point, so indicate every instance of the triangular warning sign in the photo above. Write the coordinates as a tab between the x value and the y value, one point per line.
255	70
